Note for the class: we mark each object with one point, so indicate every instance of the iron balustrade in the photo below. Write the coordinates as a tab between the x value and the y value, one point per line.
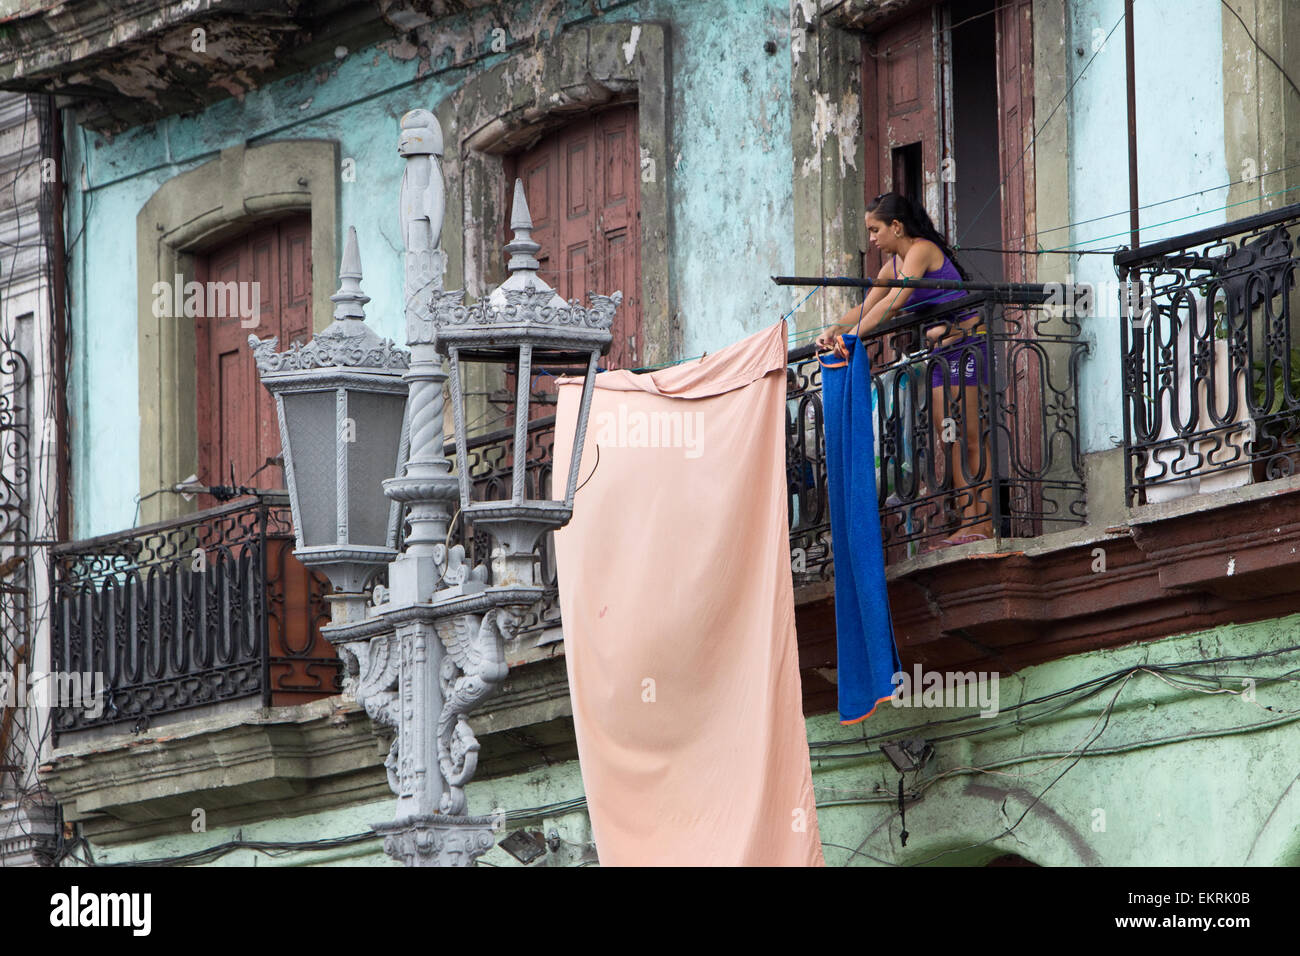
491	470
213	607
999	456
807	501
203	609
1026	475
1211	372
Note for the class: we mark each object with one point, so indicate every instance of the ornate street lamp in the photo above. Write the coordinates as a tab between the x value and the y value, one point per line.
431	648
523	323
340	400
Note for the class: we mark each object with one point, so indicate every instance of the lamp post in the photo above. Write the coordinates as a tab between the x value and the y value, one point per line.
430	647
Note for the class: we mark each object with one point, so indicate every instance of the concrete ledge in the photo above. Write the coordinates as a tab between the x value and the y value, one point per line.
241	765
245	763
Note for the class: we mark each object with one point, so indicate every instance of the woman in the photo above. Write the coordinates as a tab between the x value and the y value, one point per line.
912	247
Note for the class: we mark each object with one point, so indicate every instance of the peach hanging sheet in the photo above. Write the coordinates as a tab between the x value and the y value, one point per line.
678	609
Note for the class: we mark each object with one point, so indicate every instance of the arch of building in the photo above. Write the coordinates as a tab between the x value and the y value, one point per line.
187	214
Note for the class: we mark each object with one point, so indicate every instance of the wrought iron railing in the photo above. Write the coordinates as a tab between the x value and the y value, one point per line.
1007	457
976	412
180	614
491	470
805	467
1211	365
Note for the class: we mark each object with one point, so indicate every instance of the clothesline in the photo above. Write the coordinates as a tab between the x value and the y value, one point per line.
792	339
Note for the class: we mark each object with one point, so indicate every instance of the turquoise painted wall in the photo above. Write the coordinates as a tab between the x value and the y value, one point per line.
1179	79
1139	767
729	181
1151	769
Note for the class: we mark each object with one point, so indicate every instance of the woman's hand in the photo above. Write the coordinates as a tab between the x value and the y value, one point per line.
833	340
827	339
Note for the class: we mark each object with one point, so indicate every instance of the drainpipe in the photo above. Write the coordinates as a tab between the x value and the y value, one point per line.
1130	76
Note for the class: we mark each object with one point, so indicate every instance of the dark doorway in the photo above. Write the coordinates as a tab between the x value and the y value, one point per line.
975	169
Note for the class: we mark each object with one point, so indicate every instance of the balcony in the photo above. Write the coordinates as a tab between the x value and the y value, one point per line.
190	613
1211	366
1000	456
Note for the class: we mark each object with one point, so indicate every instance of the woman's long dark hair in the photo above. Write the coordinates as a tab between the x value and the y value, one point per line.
916	223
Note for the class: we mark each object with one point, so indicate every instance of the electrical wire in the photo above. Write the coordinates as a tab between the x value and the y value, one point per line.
1042	793
37	508
1125	212
274	848
1092	687
271	848
426	78
1268	56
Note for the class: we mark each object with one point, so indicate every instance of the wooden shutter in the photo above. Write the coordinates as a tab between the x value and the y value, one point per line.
1027	373
238	423
901	107
236	415
583	188
1015	58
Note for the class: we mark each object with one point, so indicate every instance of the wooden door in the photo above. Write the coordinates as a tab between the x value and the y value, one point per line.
901	116
238	426
270	267
583	190
1026	366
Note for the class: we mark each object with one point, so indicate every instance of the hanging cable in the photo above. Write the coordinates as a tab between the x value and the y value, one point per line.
1268	56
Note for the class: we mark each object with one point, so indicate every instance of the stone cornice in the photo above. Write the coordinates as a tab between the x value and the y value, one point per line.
239	765
250	763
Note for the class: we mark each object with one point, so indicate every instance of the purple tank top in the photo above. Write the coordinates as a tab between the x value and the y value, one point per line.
926	297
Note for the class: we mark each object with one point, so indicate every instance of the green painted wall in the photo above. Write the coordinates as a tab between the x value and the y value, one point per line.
1140	767
1136	770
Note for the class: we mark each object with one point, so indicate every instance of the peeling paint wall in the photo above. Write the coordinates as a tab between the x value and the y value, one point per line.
763	165
1260	105
728	173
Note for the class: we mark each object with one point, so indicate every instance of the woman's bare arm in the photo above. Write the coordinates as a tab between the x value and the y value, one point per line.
851	317
919	260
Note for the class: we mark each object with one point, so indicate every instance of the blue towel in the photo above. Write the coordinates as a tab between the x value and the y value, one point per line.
864	633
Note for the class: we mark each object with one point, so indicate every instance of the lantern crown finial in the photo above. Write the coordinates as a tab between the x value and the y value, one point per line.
347	342
520	217
523	249
350	301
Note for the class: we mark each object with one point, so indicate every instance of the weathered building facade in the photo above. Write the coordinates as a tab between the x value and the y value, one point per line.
1141	616
32	336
